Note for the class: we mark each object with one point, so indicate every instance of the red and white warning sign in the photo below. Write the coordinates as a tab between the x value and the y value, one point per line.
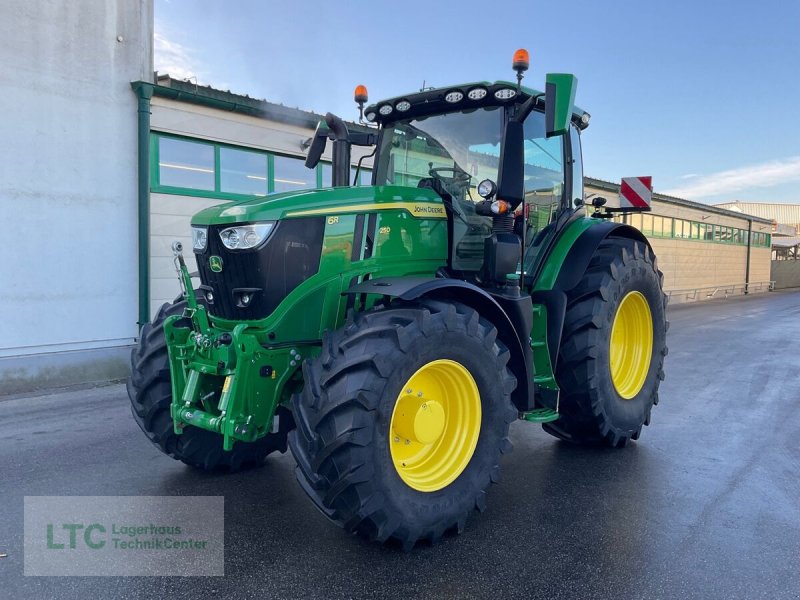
636	192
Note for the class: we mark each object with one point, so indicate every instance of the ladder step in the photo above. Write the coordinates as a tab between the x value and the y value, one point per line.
541	415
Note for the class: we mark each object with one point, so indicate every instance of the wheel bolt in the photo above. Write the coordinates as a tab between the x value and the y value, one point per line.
396	439
409	391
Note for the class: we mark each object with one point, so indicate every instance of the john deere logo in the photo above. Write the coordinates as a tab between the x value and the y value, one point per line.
215	264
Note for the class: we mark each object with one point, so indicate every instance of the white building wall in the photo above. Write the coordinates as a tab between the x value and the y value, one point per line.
68	167
170	216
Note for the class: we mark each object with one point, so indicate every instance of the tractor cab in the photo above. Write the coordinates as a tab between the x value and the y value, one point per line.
503	166
452	141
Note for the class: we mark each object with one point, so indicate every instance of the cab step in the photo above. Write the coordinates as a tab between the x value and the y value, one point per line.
540	415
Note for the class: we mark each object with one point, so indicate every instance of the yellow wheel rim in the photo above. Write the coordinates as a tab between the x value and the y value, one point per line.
631	345
435	425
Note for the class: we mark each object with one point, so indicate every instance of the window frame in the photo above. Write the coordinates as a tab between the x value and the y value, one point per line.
693	231
155	174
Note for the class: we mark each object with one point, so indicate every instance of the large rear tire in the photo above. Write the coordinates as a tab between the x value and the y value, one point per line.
613	346
150	393
403	419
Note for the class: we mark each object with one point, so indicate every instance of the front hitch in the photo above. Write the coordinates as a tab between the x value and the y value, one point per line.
222	381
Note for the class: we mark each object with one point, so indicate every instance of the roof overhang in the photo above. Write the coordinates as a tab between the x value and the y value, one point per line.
457	98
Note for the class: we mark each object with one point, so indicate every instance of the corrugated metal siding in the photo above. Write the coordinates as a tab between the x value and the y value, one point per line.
787	214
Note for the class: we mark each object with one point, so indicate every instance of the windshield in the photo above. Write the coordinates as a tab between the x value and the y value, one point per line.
461	149
451	141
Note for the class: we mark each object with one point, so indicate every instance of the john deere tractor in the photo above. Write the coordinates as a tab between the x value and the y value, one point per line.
390	334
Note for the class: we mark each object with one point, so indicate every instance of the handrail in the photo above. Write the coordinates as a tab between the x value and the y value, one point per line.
728	289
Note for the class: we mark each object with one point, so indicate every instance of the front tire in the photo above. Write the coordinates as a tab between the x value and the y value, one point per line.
372	455
150	393
611	361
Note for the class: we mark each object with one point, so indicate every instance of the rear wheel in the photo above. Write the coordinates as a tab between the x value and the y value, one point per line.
613	347
403	419
150	393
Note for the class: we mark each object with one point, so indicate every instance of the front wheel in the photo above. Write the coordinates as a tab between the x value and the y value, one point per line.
403	419
613	346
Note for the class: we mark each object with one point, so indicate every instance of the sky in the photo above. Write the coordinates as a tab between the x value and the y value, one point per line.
703	95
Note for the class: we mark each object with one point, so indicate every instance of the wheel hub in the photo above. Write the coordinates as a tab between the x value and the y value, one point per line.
419	420
435	425
631	345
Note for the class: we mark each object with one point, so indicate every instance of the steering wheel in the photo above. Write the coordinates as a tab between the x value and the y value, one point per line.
457	181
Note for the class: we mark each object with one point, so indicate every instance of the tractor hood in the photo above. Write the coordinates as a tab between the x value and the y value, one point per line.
331	201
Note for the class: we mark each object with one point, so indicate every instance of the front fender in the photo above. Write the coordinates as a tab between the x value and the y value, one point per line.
455	290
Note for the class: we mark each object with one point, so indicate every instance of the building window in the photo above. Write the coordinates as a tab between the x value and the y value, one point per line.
199	168
291	174
647	224
185	164
242	172
327	174
662	227
364	176
667	227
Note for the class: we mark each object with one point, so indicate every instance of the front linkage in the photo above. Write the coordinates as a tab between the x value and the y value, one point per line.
226	382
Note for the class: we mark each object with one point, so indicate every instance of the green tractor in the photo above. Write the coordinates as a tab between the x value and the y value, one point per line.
390	334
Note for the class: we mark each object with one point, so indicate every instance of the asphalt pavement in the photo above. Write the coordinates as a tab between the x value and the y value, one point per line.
705	505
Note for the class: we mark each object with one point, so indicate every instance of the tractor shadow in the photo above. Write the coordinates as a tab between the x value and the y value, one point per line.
557	505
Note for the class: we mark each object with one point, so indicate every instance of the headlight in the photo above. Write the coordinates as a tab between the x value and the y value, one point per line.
243	237
199	238
486	188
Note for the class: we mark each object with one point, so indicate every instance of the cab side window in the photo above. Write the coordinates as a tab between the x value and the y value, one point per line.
544	173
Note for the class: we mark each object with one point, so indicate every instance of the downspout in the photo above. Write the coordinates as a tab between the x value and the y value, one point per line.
144	91
747	268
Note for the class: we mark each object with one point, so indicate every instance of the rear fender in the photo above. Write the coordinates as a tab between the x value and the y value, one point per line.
573	265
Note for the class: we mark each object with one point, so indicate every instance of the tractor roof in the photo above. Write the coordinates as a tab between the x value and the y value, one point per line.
463	97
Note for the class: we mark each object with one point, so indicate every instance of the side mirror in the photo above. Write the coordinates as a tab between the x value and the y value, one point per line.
317	146
511	182
559	102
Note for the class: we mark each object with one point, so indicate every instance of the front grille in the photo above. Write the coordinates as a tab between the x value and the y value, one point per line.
268	273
